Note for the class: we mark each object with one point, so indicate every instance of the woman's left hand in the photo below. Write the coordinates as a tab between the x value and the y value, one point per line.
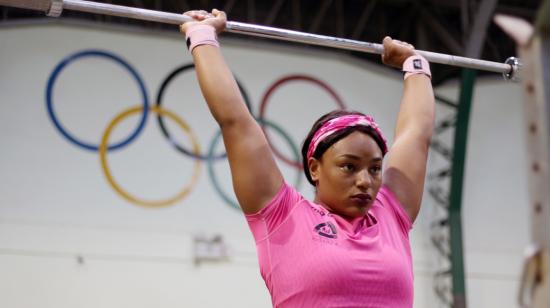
216	19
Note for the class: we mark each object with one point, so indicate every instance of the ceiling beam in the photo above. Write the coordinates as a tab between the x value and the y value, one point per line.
362	23
407	23
340	19
464	18
478	32
297	15
320	16
273	12
524	12
444	36
421	37
251	11
527	9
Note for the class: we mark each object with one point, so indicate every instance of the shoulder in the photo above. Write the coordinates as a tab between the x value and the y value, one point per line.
387	201
275	212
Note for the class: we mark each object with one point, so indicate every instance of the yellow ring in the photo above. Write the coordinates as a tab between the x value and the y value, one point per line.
105	167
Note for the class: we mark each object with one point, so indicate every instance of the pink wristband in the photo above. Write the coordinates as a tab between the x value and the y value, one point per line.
416	64
201	35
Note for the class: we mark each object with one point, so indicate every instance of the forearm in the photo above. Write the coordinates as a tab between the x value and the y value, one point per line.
218	86
417	111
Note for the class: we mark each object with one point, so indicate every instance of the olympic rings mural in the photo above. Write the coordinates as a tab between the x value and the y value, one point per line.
145	108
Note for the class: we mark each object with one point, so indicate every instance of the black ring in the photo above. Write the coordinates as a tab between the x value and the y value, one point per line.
160	119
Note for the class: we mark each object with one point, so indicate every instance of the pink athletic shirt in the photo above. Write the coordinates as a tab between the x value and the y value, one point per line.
310	257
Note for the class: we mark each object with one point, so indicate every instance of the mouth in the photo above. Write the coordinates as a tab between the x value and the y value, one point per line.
362	198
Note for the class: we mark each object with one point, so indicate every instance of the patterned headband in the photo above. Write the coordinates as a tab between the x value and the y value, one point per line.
337	124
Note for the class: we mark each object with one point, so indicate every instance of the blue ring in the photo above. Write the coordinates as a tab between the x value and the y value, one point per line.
95	53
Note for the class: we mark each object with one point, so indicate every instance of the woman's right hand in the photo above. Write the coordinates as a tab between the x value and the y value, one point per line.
216	19
396	52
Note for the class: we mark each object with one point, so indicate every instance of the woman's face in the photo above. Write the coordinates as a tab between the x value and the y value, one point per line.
348	175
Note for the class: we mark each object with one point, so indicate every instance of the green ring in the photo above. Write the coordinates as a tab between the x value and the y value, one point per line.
230	200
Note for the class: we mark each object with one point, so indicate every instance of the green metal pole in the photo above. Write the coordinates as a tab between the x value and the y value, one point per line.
457	178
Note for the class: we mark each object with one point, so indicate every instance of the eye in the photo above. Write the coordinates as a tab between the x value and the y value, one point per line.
375	170
348	167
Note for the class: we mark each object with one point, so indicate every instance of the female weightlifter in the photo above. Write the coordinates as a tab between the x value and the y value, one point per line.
349	247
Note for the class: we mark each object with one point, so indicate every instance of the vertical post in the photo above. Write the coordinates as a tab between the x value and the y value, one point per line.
473	49
535	290
455	206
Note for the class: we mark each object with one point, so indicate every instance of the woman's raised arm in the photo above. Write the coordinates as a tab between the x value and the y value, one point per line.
256	177
405	168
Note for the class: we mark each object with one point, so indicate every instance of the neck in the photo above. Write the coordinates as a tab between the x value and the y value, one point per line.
350	219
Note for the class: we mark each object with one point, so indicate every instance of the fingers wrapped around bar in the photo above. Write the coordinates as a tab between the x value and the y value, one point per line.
396	52
216	19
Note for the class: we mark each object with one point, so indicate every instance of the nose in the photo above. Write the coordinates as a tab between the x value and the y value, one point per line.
363	179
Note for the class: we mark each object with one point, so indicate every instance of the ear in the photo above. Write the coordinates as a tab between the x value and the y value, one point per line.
314	169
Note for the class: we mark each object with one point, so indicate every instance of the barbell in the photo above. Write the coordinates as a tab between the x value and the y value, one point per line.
509	69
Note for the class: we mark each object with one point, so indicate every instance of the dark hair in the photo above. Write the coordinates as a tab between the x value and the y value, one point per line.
332	139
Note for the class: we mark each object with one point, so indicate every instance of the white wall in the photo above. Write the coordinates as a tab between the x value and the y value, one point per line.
68	240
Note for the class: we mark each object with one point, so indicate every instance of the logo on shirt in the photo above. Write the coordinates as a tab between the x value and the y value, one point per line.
326	229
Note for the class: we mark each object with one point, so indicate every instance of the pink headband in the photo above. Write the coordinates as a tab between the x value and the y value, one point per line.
337	124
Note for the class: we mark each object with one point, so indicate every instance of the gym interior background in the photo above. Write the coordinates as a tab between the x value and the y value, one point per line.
71	238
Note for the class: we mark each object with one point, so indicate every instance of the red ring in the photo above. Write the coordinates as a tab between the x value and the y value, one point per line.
280	82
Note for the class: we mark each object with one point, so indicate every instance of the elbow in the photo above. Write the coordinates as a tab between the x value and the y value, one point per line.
427	141
425	126
228	117
228	123
426	134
